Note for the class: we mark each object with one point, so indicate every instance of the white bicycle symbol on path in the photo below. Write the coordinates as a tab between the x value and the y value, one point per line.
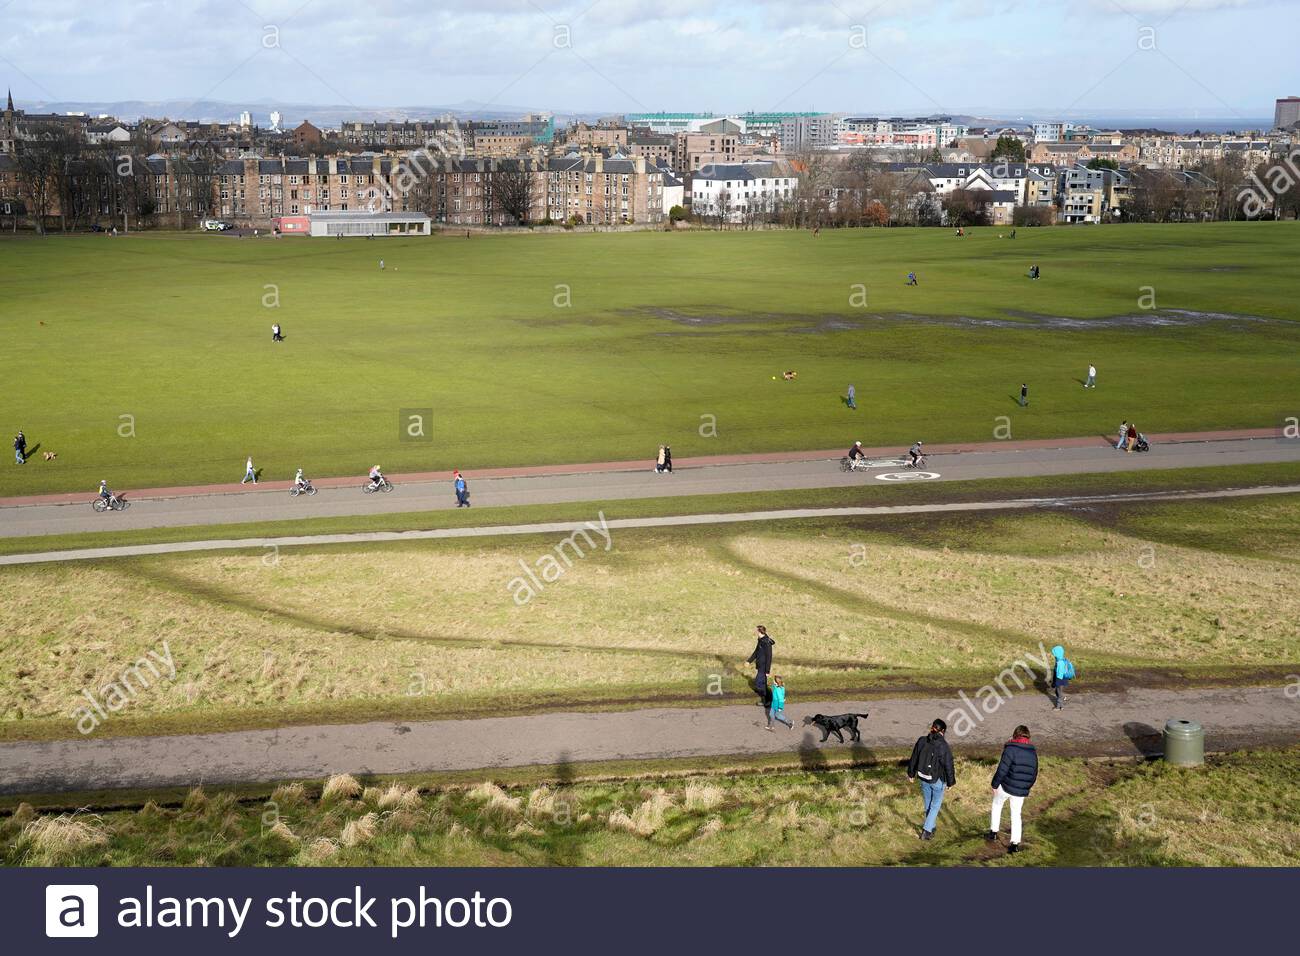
908	476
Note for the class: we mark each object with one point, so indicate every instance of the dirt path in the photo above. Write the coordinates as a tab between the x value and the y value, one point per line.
1091	723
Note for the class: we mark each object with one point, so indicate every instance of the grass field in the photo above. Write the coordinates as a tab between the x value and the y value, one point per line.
166	338
1233	812
426	629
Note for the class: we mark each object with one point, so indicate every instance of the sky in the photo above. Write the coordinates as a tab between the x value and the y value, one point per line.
1213	58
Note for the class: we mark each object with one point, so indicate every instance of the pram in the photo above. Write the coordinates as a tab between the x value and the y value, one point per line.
1141	444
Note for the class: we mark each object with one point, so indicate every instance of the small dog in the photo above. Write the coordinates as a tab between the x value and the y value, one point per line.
50	456
834	725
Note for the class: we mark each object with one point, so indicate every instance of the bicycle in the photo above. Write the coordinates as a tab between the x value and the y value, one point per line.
307	488
854	464
370	487
114	503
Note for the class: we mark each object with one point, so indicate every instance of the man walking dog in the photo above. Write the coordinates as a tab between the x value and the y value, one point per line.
931	765
1012	781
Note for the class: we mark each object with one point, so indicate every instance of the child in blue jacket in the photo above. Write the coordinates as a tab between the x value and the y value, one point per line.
1062	674
777	710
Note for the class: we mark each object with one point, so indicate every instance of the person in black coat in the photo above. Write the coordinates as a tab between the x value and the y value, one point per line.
931	765
762	661
1017	771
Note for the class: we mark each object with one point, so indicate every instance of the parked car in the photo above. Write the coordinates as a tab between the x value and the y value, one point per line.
216	225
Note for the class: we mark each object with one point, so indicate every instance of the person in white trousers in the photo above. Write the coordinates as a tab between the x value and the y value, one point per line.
249	473
1015	777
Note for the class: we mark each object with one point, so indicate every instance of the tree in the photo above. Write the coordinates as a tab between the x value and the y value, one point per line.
511	185
1009	147
38	179
1100	162
967	207
676	214
1032	216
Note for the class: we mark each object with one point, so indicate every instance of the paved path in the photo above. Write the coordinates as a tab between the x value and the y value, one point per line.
1100	723
598	525
626	480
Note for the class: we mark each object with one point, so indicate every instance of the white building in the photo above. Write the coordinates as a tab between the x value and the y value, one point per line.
363	223
734	191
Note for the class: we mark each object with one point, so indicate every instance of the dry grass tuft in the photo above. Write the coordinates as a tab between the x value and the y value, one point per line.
710	826
496	802
289	795
399	796
341	786
646	818
703	796
282	833
360	830
53	840
196	801
320	850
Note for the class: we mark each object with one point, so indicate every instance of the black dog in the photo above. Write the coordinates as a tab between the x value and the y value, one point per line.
833	725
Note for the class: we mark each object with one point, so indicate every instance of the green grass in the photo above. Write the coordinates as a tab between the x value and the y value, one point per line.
173	332
1143	594
1232	812
985	489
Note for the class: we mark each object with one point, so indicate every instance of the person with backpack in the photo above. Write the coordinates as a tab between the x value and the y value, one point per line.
931	765
1012	781
1062	674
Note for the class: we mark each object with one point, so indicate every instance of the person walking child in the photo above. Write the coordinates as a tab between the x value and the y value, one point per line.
776	710
761	658
1014	778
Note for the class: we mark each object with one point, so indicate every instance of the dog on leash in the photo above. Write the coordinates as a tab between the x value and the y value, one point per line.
836	725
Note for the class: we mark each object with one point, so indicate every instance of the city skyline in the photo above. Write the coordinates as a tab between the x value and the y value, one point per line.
1139	58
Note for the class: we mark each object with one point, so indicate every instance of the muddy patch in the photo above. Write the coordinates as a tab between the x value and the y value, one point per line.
1011	319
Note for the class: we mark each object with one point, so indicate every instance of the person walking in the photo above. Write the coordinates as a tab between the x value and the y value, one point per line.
931	765
1012	781
20	448
1024	394
1131	437
668	459
776	710
911	278
1123	435
1092	377
659	461
381	265
249	473
1062	674
853	393
462	490
762	661
275	333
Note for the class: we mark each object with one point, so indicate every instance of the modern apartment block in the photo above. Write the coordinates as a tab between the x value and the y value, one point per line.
1286	112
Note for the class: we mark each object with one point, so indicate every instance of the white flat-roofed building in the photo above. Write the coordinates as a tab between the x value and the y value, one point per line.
364	223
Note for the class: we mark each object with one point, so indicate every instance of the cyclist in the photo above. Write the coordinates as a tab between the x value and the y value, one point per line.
856	451
376	477
299	481
106	494
915	453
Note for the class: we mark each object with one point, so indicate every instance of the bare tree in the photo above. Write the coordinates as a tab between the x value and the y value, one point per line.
511	185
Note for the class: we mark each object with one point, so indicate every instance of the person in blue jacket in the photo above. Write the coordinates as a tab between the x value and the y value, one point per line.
1012	781
776	711
1062	674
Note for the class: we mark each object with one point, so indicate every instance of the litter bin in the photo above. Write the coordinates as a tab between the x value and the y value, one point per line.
1184	743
